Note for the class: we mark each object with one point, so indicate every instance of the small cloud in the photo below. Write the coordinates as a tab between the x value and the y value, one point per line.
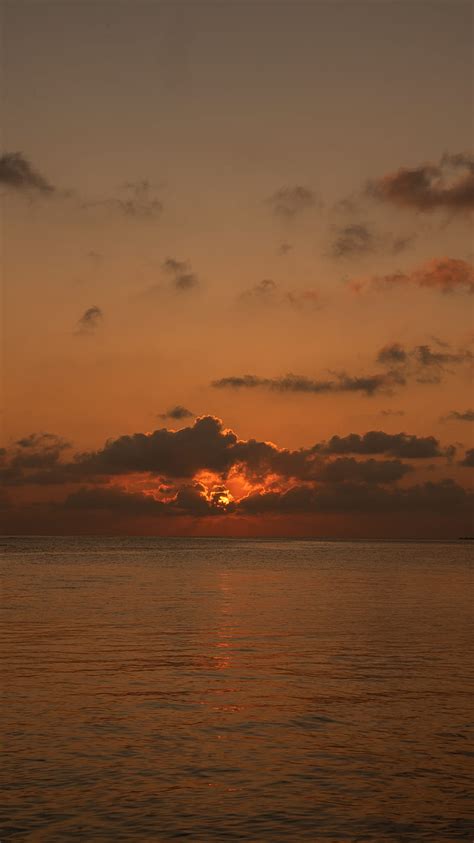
17	173
392	412
90	320
353	240
182	277
177	413
284	248
456	415
290	202
392	354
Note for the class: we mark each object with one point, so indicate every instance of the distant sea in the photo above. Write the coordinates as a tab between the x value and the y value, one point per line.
220	690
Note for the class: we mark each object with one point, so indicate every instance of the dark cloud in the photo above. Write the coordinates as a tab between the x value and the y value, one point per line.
179	412
442	497
392	354
401	445
468	461
342	382
17	173
445	275
421	363
463	415
392	412
449	185
180	271
190	500
90	320
181	453
347	469
34	458
290	202
353	240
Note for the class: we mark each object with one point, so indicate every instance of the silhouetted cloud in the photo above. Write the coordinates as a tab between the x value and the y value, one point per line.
17	173
449	184
468	461
401	445
342	382
90	321
289	202
456	415
392	412
193	500
446	275
392	354
179	412
180	271
445	496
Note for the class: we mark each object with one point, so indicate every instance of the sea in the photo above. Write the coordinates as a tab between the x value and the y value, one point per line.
161	689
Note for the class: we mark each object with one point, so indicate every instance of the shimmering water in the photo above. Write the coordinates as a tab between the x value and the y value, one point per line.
159	689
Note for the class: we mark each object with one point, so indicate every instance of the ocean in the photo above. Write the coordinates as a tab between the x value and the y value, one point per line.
225	689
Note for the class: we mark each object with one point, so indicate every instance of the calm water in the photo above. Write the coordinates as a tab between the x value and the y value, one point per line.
159	689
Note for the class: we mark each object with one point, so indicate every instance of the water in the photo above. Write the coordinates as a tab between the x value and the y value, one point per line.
207	689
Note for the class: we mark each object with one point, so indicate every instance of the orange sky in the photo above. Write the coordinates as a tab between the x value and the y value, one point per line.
193	193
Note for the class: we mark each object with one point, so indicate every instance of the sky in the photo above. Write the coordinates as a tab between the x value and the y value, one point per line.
237	268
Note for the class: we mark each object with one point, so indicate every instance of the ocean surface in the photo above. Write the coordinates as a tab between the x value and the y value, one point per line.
220	690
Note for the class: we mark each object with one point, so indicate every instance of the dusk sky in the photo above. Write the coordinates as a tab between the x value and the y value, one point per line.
237	268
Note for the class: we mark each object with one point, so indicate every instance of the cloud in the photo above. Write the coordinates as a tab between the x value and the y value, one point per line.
445	275
90	320
139	201
353	240
421	363
448	185
341	382
182	277
178	412
284	248
290	202
364	471
17	173
445	496
392	412
267	293
468	461
400	445
456	415
190	499
392	354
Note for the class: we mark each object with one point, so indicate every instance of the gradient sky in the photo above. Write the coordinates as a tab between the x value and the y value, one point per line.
194	192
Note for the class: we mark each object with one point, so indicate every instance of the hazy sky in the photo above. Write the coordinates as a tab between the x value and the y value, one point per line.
255	211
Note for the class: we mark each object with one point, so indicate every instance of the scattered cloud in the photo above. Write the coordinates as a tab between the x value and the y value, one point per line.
392	412
182	278
456	415
267	293
468	461
290	202
446	275
17	173
448	185
90	321
284	248
177	413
